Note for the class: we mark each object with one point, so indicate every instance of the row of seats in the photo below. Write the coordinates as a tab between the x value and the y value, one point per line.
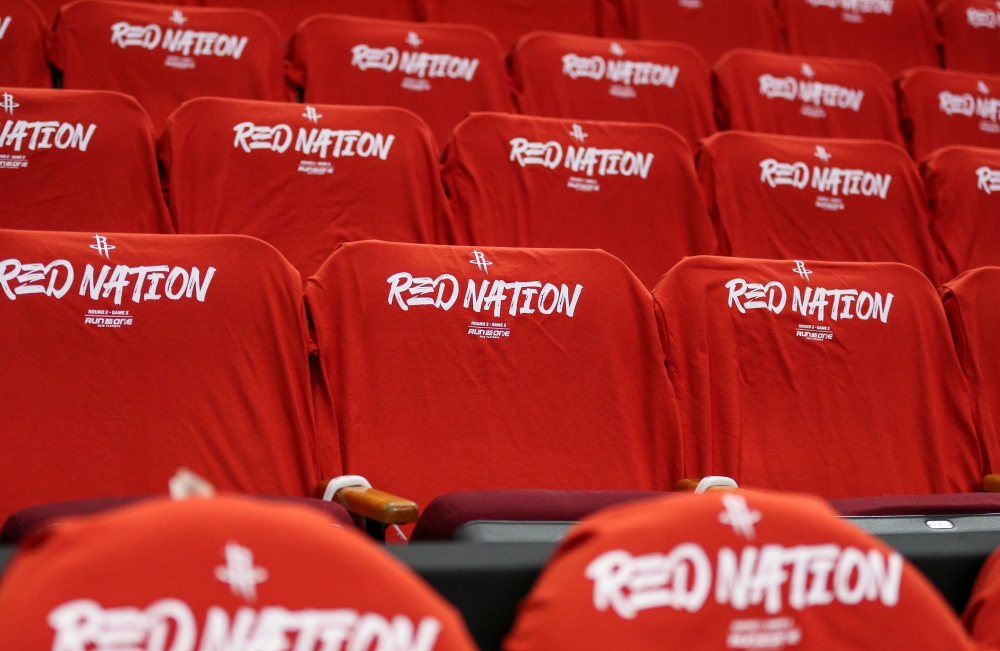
735	570
432	370
443	72
895	34
308	178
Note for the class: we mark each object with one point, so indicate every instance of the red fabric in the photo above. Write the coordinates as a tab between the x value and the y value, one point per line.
952	504
440	72
505	195
115	393
509	20
963	188
589	78
162	56
713	27
79	161
779	396
805	96
447	513
982	613
217	573
305	203
50	8
289	15
816	198
972	302
942	107
895	34
971	34
569	393
730	570
22	46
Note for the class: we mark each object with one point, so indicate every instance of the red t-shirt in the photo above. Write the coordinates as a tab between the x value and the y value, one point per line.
837	379
221	573
629	189
590	78
164	56
22	47
784	197
140	354
982	613
79	161
440	72
805	96
971	31
943	107
734	570
290	14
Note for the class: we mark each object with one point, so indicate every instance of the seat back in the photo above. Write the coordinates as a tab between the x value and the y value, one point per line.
164	56
969	30
22	47
290	15
894	34
79	161
303	178
590	78
712	27
138	354
805	96
509	20
440	72
963	188
983	610
454	368
730	570
629	189
815	198
943	107
218	573
838	379
972	303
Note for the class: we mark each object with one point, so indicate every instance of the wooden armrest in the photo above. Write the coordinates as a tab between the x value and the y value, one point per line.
374	504
991	483
711	483
687	485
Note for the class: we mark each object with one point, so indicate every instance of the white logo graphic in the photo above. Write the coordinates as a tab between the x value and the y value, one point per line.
857	6
45	134
102	246
989	179
8	105
983	88
417	64
739	516
773	297
311	115
433	292
816	93
617	49
977	18
177	17
630	73
822	154
834	180
578	133
413	40
808	71
240	573
479	259
800	269
606	162
4	24
985	108
338	143
185	41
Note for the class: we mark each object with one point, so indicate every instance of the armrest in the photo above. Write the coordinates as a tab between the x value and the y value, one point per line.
705	484
373	504
991	484
687	485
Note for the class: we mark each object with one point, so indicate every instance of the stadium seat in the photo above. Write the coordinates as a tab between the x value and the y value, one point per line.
223	573
590	78
74	160
836	379
22	47
805	96
963	188
490	368
139	354
972	303
895	34
630	189
509	20
289	15
784	197
971	34
713	27
303	178
50	8
982	613
164	56
440	72
731	570
943	107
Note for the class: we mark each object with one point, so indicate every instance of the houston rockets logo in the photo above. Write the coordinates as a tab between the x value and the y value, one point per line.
739	516
578	133
312	115
240	573
9	104
479	259
177	17
413	40
800	269
102	246
4	24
